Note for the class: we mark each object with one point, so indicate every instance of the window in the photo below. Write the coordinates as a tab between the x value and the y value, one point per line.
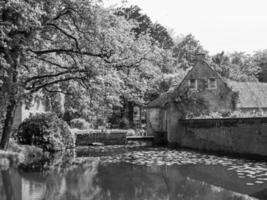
212	83
192	83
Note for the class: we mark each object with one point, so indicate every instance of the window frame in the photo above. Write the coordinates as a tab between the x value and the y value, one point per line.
209	84
195	85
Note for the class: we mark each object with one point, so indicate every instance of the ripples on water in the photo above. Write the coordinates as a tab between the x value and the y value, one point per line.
131	173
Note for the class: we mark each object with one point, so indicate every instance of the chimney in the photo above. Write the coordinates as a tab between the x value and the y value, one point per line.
200	57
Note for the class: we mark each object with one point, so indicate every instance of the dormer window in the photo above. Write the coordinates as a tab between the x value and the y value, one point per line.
212	84
192	83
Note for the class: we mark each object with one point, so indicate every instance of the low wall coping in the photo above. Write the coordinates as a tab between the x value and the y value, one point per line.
93	131
140	137
223	119
215	122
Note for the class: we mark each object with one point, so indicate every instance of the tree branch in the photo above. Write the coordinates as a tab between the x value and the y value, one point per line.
54	75
71	51
62	13
56	91
65	33
35	89
52	63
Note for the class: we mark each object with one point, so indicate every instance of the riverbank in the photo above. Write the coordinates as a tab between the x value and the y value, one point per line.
17	154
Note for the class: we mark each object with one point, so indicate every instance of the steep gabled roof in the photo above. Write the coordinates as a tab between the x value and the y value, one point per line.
216	74
161	100
251	94
165	97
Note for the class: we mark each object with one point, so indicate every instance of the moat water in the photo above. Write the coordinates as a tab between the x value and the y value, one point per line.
135	173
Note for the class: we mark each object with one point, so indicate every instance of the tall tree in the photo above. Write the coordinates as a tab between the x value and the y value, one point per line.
237	66
186	50
260	57
138	82
47	43
158	33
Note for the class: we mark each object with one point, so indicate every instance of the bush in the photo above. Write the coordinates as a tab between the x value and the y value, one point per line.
47	131
79	123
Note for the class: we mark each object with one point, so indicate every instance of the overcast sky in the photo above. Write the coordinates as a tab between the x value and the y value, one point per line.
228	25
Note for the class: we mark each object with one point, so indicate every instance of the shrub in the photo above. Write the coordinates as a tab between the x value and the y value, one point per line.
79	123
47	131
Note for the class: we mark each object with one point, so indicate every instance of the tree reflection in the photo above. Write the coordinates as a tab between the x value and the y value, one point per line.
89	179
7	185
71	178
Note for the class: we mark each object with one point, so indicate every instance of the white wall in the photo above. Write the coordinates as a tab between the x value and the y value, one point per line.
22	112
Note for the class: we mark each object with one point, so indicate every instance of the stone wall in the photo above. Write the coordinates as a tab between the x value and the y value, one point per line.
157	125
37	106
244	136
22	112
153	120
156	120
174	128
114	137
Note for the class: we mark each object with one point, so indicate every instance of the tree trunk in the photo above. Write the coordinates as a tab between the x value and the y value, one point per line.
8	188
7	129
12	99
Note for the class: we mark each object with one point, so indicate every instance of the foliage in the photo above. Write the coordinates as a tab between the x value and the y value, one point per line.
156	31
59	46
186	50
189	104
138	83
164	83
46	131
260	58
99	58
120	87
80	123
237	66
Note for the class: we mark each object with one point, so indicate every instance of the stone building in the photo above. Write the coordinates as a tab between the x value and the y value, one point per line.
22	111
36	106
201	92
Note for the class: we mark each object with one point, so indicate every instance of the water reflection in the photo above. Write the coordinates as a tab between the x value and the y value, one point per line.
97	178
